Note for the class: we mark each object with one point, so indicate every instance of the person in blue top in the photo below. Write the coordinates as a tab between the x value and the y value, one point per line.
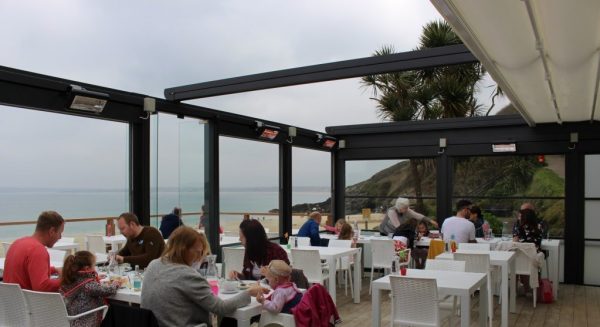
170	222
311	229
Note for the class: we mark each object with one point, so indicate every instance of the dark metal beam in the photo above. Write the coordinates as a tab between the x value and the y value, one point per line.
139	170
211	185
574	217
411	60
285	190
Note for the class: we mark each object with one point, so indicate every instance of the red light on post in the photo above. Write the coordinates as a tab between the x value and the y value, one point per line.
541	158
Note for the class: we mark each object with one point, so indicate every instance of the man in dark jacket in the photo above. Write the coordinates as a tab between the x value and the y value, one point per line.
170	222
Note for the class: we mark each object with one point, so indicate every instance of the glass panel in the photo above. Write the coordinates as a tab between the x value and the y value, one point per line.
376	184
500	184
592	219
591	263
311	180
249	184
76	166
592	178
177	152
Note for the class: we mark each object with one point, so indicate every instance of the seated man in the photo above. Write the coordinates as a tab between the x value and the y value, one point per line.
27	262
170	222
311	229
459	227
144	243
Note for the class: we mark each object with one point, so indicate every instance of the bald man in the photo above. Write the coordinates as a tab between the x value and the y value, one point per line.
311	229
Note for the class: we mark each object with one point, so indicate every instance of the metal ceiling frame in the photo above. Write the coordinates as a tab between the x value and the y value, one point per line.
411	60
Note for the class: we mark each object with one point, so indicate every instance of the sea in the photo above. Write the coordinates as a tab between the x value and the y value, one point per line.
26	205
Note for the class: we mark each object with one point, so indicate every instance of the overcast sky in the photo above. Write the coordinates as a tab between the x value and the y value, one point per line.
147	46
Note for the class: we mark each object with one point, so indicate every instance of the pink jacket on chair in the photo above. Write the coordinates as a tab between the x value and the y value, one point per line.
316	308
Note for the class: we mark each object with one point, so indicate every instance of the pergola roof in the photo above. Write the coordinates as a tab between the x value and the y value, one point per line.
544	54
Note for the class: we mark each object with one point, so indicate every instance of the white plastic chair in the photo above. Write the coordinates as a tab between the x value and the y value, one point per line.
48	309
95	243
310	263
382	255
303	241
68	239
415	302
479	263
474	246
6	246
280	319
524	264
345	264
57	255
446	265
13	307
233	259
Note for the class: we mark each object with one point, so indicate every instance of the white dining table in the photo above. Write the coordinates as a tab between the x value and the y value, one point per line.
461	284
506	261
331	255
242	315
66	246
553	248
115	241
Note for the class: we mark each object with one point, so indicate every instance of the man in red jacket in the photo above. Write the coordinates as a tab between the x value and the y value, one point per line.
27	262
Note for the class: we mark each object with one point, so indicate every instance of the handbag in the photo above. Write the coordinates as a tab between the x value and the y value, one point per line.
545	294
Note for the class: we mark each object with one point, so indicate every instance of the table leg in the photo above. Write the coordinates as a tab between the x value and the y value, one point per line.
553	259
376	307
483	305
243	322
465	310
504	286
513	288
357	276
332	272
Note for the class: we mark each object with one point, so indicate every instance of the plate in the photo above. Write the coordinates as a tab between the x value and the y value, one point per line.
244	286
229	292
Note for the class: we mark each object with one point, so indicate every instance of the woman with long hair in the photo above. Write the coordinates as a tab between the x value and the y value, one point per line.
176	292
82	290
529	231
258	250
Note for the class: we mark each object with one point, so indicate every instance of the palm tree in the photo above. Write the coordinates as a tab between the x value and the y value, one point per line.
433	93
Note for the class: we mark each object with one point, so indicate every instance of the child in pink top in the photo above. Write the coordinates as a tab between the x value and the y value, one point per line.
285	295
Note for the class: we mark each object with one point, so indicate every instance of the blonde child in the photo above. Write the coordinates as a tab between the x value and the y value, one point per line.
285	295
82	290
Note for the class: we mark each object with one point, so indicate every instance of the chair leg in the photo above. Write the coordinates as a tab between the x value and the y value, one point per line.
490	300
350	278
371	281
534	297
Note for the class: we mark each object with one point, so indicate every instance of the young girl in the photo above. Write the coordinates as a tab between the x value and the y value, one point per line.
346	233
422	229
81	288
285	295
337	228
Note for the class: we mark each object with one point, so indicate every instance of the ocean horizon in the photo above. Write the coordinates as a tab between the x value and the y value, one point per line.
25	204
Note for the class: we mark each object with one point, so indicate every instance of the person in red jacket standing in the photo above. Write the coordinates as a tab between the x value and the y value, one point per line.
27	261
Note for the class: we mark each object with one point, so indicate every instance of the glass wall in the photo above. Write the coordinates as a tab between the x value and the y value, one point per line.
249	184
376	184
311	184
592	220
76	166
500	184
177	167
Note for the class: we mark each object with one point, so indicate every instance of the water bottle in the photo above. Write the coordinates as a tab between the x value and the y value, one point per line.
113	265
506	231
211	269
356	231
137	279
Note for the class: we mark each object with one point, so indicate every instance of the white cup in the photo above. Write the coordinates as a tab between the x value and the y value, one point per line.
229	285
